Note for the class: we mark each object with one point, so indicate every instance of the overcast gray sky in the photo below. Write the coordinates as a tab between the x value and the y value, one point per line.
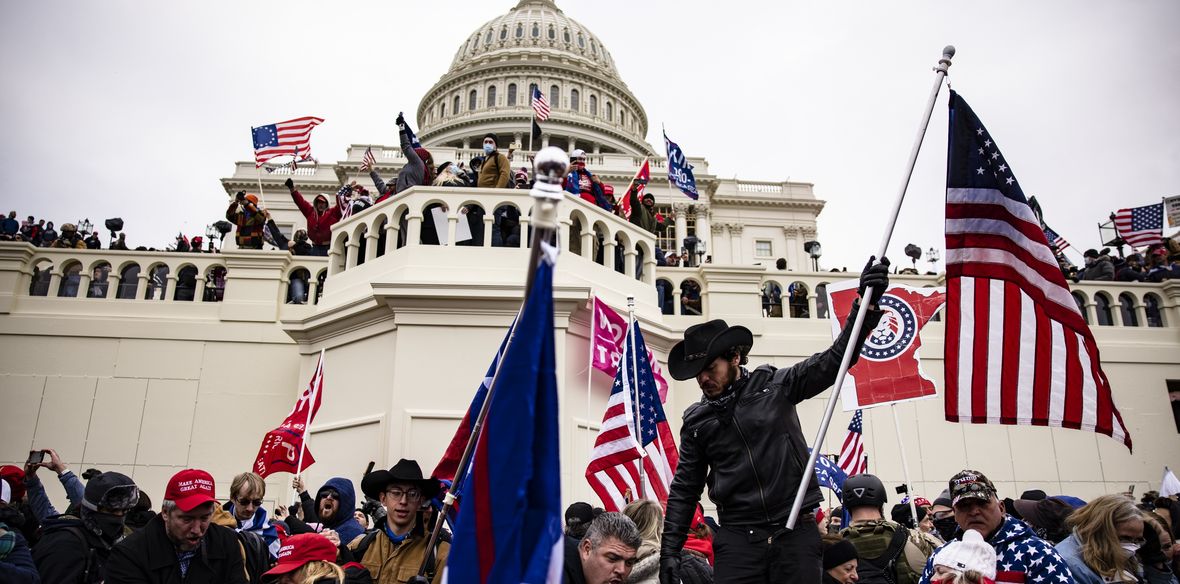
136	109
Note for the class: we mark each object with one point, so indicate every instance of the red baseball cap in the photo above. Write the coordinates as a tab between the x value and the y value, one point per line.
190	488
301	549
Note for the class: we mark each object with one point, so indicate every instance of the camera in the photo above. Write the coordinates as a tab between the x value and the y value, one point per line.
241	195
35	457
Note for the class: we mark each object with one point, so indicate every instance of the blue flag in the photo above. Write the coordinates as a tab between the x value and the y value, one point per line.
830	476
679	170
509	525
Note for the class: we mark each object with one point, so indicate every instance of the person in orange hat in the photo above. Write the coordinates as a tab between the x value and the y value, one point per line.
244	213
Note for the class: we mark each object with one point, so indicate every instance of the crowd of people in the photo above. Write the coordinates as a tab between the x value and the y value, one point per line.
42	233
1159	262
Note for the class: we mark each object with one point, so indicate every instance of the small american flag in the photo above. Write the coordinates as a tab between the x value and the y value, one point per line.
289	138
367	161
343	200
852	455
540	105
1017	349
1140	226
614	468
1059	243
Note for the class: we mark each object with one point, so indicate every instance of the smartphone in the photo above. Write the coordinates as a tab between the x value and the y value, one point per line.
35	457
1131	489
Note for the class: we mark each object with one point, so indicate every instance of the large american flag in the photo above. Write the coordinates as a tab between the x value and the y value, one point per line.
1140	226
852	455
540	105
289	138
621	448
1017	349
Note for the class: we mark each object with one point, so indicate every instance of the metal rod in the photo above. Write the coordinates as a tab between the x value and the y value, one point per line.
315	389
905	467
940	73
633	380
551	166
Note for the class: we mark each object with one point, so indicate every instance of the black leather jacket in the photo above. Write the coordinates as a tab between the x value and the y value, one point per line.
751	453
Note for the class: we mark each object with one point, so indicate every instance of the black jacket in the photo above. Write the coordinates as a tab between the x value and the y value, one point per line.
69	552
752	452
148	557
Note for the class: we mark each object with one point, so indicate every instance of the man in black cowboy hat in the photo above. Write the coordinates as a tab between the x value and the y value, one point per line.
744	440
396	547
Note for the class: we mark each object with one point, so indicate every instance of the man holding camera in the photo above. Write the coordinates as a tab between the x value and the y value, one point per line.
244	213
69	238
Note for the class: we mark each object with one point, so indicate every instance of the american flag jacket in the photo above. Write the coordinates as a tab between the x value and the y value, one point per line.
1021	557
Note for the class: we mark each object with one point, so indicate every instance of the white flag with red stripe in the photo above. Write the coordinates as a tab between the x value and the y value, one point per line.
635	454
1018	350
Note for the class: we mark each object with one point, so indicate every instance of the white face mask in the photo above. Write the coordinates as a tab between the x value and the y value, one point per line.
1130	548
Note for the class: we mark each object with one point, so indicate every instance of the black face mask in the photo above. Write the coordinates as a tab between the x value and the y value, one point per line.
946	527
109	526
12	517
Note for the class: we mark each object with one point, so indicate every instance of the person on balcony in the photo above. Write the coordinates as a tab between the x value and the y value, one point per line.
244	213
69	238
418	170
496	172
582	183
320	219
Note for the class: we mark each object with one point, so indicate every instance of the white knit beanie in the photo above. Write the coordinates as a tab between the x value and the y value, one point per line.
972	553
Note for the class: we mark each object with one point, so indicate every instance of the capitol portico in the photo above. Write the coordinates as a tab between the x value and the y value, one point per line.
110	359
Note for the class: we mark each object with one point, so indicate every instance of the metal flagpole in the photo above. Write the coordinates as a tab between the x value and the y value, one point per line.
940	73
551	166
316	381
905	467
590	373
634	386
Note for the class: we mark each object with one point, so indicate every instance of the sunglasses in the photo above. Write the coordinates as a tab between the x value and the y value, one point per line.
250	502
331	495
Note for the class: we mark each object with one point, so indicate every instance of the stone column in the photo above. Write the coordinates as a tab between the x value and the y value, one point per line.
350	259
198	293
681	225
608	252
525	223
676	293
313	286
391	229
54	282
140	288
84	285
114	280
704	230
489	223
717	230
793	251
629	256
374	237
413	230
169	291
588	241
1140	312
334	264
735	243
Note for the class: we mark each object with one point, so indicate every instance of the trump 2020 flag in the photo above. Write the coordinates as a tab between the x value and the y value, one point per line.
679	170
281	447
608	337
888	369
509	525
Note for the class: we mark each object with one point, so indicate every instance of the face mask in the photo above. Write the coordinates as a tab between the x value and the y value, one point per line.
111	526
580	166
946	527
1129	548
488	148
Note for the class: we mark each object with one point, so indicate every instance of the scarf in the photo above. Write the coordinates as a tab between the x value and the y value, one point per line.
258	525
724	401
7	541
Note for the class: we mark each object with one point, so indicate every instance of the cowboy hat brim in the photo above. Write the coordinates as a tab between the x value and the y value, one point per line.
683	369
375	483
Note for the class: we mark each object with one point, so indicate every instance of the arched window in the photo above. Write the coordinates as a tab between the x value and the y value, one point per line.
442	109
471	101
128	282
536	30
1102	308
491	96
554	96
690	297
821	301
528	99
487	39
552	32
575	100
503	33
594	48
297	286
1155	316
565	34
214	284
772	299
1127	309
519	30
622	117
186	284
1081	302
99	281
594	105
71	277
797	301
157	285
511	94
581	41
455	105
610	112
664	295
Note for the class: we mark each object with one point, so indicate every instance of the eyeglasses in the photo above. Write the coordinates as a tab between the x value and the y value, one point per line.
1134	540
331	495
250	502
410	495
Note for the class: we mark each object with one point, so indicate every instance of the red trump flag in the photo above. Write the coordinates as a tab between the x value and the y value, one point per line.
888	369
282	447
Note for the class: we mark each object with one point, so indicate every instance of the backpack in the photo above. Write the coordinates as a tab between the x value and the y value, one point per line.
883	568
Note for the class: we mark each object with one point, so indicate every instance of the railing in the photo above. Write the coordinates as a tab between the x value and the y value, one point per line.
624	164
495	218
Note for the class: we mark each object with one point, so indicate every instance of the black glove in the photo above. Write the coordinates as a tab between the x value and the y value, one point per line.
401	122
290	184
669	570
876	276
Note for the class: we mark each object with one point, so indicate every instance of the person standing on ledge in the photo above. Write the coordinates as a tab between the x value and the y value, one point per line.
496	172
745	441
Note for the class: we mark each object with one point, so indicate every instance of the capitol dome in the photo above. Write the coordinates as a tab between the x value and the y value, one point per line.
489	84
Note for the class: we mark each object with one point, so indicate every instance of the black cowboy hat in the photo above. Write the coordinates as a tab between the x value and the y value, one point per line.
702	344
405	471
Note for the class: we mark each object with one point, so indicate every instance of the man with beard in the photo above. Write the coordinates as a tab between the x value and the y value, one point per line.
332	507
181	544
397	546
74	549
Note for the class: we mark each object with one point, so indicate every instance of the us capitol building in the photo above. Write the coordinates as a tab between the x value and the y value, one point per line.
117	360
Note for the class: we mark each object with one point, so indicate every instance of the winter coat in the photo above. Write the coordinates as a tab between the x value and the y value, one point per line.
641	215
9	226
1021	556
319	225
344	524
571	572
413	174
70	552
1101	269
496	172
16	567
393	563
597	196
1070	550
1152	575
647	564
249	221
872	538
76	243
751	452
148	557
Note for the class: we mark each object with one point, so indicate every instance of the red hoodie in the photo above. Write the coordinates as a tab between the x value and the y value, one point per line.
319	226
